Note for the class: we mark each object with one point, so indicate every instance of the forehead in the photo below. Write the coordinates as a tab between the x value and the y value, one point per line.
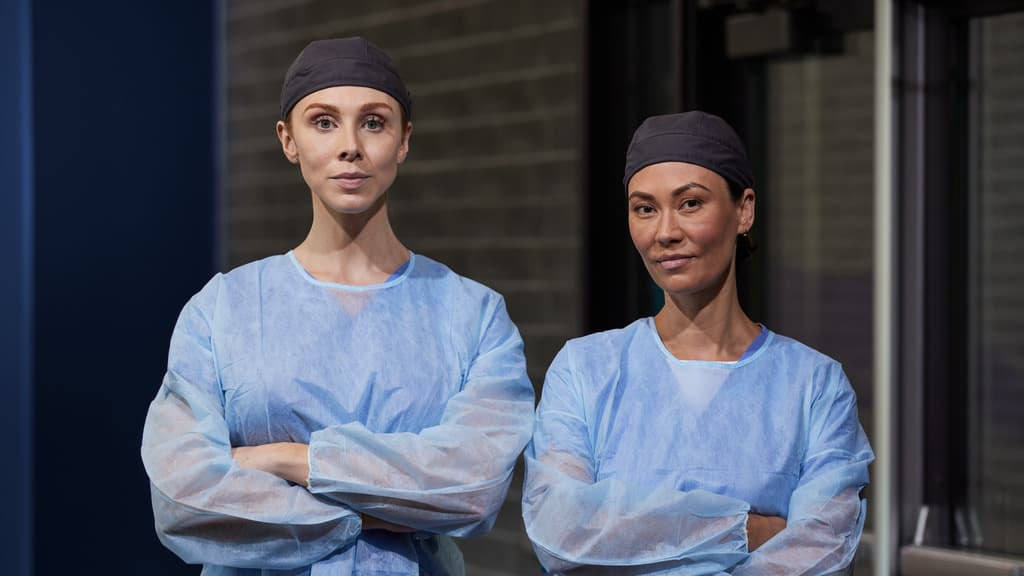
348	99
667	176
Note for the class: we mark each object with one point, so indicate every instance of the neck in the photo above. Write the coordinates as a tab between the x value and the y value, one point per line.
355	249
706	325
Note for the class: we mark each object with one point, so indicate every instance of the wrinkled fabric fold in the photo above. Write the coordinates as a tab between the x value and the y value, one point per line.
826	511
412	395
644	464
449	478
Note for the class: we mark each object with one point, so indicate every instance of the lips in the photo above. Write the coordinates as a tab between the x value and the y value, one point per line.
350	180
674	262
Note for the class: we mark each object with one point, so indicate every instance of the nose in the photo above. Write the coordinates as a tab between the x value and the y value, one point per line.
349	146
669	231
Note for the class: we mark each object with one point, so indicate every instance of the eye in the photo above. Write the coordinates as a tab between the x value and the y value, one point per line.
324	123
374	124
690	204
643	209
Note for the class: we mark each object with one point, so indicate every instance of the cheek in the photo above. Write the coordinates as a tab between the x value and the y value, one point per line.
383	153
312	156
705	234
713	232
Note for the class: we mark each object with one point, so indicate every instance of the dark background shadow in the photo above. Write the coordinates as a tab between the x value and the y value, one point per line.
109	163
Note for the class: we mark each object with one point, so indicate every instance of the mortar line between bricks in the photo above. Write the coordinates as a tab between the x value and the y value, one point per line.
475	81
342	26
436	47
252	9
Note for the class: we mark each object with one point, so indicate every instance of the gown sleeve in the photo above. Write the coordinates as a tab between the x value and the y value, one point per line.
578	524
206	508
450	478
826	510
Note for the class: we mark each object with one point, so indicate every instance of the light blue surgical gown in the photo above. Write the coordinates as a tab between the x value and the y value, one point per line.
412	396
641	463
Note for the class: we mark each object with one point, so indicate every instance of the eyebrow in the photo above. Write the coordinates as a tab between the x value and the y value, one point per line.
335	110
327	107
375	105
684	188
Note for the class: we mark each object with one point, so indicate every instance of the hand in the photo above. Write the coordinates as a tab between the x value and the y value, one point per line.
287	460
761	529
371	523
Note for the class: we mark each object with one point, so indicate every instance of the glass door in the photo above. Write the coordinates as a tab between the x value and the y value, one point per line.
993	519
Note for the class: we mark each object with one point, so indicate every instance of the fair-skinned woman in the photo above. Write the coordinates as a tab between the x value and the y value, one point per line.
695	441
346	407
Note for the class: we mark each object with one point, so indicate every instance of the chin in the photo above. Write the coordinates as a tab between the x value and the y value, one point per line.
353	205
351	210
690	286
676	284
679	288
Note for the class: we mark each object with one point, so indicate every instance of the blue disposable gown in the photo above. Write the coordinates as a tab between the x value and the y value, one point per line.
412	396
645	464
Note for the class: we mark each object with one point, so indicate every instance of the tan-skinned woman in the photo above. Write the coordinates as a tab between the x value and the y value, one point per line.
696	441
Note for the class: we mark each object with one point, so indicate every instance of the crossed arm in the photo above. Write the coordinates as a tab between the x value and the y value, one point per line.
290	461
618	528
286	505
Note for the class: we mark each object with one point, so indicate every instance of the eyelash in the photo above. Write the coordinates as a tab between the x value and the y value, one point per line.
688	204
322	118
318	119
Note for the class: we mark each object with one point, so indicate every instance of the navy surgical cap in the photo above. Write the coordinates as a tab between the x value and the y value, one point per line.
694	137
342	62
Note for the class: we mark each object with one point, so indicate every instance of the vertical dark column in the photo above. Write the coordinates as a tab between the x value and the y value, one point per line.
629	65
124	167
16	285
612	291
945	117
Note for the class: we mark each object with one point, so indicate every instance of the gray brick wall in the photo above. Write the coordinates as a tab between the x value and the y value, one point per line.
491	187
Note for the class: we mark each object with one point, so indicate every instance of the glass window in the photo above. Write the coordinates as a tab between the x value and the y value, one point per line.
816	202
994	519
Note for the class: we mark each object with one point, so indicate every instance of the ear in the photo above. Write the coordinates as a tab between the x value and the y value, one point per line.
284	134
746	211
403	150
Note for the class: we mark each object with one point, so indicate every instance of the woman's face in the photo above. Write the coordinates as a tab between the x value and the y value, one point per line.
684	223
348	141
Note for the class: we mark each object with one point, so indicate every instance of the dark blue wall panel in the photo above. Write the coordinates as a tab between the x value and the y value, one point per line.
124	127
15	286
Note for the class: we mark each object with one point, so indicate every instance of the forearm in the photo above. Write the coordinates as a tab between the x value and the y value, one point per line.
761	529
207	509
201	537
290	461
454	509
462	513
287	460
822	543
573	524
451	478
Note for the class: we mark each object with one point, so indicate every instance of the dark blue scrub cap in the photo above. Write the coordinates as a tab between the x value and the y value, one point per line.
694	137
342	62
